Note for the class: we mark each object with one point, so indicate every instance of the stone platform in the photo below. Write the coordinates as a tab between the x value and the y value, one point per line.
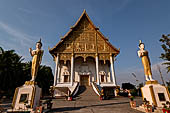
155	93
26	97
94	105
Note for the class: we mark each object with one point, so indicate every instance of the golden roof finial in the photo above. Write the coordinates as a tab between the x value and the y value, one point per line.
84	10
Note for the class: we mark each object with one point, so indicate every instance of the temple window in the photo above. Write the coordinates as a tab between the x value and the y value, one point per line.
102	76
66	75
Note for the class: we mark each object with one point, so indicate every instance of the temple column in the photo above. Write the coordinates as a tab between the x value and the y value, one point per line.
56	70
97	70
72	69
112	70
58	75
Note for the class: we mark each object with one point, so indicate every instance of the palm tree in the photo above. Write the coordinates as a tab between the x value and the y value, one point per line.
44	78
165	39
14	72
10	70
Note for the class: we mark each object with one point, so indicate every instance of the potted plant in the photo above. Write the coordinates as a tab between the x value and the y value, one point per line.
131	98
102	95
51	90
147	106
49	104
166	107
132	102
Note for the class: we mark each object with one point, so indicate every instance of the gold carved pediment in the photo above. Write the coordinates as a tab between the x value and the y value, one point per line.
84	25
84	55
84	37
104	56
65	57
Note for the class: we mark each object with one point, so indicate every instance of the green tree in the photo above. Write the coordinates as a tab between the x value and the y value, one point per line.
139	89
44	79
10	70
166	47
14	72
128	86
26	71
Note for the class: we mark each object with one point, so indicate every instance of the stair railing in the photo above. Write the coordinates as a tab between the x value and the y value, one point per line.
96	89
75	90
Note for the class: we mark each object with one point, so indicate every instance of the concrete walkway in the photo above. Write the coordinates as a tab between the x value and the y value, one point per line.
88	102
80	105
116	105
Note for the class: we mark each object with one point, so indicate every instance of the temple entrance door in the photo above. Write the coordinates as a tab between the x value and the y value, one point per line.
84	80
102	78
66	78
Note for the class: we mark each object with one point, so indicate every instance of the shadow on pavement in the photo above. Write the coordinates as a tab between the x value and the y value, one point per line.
78	108
109	104
80	91
66	109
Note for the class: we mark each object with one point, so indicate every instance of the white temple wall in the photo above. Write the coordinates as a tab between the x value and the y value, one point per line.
85	68
106	68
77	64
64	67
108	77
59	73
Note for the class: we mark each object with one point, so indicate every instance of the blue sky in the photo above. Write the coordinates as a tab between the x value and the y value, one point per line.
124	22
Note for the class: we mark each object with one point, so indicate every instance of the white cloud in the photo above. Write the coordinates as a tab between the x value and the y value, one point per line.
126	75
121	6
18	41
156	73
23	38
25	10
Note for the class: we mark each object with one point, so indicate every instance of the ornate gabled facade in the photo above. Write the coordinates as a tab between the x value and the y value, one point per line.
84	55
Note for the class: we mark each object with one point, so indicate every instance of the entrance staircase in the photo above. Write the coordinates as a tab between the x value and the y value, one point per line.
86	93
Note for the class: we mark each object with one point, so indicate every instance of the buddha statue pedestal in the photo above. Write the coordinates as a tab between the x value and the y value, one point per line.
26	97
155	93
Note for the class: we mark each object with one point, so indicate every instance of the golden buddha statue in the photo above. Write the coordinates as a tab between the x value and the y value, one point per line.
142	53
36	60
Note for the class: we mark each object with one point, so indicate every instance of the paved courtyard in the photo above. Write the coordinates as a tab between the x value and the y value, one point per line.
88	102
116	105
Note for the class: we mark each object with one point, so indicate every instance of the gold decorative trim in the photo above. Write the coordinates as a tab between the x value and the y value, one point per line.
142	93
167	92
65	57
151	82
104	56
84	55
152	95
14	98
32	97
30	83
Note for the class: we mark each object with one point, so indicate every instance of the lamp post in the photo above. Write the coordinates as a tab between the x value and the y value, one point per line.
161	75
137	85
135	78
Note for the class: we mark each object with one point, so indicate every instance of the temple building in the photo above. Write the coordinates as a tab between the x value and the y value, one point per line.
83	57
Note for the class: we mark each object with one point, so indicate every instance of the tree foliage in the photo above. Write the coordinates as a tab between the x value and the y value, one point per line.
128	86
165	39
14	73
10	70
44	78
